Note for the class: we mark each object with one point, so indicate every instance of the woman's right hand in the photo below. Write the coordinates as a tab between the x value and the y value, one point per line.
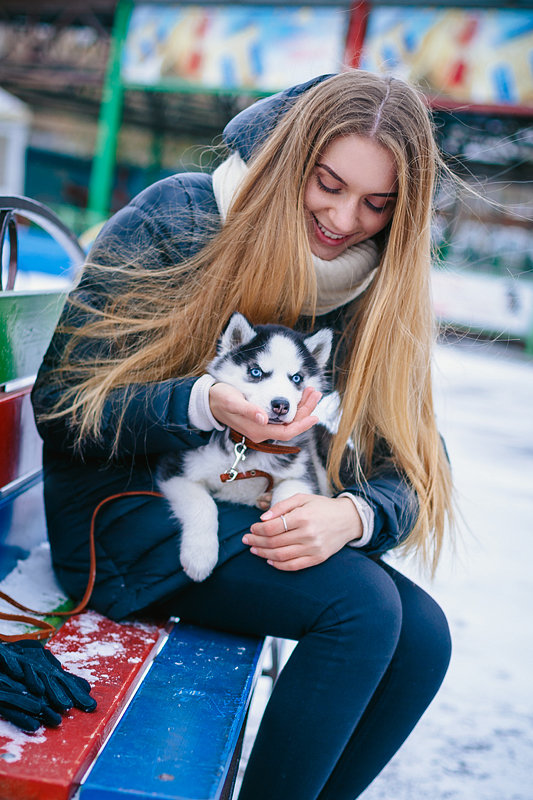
230	408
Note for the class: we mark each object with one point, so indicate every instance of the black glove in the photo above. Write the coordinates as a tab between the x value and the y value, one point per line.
28	662
25	710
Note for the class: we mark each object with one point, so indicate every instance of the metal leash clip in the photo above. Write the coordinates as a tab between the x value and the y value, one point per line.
240	455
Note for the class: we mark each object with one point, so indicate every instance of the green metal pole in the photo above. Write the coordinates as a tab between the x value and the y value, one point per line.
103	166
529	339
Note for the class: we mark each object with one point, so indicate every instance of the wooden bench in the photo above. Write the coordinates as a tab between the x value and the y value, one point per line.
172	698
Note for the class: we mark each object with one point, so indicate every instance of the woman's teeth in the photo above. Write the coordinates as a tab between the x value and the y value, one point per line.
329	234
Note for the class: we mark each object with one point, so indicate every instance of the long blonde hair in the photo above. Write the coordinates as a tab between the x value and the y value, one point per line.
165	322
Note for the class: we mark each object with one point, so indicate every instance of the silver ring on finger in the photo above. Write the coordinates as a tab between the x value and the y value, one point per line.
282	517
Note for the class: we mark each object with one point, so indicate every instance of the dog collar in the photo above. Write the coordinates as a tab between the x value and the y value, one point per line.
242	444
251	473
262	447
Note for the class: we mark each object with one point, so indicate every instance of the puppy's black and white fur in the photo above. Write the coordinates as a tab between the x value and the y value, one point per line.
271	366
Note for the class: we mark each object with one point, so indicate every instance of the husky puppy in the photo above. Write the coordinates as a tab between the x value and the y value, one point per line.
271	366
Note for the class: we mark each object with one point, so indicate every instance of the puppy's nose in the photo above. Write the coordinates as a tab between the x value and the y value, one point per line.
280	406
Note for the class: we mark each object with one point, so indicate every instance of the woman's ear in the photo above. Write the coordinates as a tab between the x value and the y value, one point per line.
237	332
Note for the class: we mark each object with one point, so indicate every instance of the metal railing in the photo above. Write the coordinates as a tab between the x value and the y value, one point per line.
12	207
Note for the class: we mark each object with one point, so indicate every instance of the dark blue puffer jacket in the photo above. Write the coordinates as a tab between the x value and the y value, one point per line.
136	538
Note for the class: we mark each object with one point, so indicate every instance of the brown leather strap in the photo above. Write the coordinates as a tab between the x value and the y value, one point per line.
263	447
47	629
251	473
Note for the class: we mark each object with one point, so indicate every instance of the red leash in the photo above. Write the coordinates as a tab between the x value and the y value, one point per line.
46	628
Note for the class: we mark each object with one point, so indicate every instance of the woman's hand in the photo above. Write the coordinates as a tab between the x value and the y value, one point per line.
230	408
317	527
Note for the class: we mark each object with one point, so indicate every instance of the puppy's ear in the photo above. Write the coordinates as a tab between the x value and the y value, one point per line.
319	345
238	331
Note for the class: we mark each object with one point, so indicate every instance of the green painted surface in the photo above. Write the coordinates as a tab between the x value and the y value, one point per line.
529	340
57	622
27	321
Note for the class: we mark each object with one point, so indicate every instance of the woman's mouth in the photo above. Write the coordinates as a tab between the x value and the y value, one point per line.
326	236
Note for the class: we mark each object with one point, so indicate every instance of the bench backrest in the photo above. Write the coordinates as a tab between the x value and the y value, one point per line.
27	321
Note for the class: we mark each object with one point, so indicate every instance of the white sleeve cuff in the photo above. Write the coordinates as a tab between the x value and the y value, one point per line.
200	415
366	513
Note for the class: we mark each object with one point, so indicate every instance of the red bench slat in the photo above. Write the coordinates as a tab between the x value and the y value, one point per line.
48	765
20	444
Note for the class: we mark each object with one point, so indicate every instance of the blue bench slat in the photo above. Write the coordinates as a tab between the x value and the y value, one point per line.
176	739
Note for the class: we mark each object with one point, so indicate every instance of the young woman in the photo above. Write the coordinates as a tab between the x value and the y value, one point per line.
320	217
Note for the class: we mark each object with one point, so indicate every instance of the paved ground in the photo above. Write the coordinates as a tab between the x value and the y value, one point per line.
475	742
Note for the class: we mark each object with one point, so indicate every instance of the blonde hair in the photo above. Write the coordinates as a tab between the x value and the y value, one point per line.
259	263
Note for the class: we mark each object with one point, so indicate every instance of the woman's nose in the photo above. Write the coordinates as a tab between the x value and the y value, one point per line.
345	217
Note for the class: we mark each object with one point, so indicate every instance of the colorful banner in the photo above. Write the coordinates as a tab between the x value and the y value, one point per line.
232	47
473	55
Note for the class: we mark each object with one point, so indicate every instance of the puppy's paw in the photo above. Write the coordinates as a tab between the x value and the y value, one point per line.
264	501
199	556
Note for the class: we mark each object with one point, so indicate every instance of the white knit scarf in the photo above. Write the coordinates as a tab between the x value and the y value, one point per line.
339	280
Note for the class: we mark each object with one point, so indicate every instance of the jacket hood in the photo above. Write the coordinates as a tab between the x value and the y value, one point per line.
249	129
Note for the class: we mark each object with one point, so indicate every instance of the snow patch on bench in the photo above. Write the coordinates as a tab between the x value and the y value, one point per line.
11	749
32	583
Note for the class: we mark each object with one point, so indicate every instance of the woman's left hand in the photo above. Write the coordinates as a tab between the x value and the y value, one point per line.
317	527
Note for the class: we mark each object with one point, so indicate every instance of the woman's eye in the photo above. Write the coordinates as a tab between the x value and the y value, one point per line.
376	209
255	372
297	378
324	187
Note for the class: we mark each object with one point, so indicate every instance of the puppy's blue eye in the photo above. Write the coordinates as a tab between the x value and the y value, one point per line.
255	372
297	378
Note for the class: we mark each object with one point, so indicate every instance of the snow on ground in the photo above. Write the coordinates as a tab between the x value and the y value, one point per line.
476	739
475	742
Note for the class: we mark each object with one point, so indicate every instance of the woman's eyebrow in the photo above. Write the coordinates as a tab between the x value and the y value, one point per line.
333	174
338	178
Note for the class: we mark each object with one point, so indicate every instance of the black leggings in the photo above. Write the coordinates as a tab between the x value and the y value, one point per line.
372	651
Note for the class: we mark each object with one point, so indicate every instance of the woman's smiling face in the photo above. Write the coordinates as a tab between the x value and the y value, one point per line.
350	195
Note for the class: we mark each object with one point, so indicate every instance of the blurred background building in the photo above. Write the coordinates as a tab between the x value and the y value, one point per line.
100	98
